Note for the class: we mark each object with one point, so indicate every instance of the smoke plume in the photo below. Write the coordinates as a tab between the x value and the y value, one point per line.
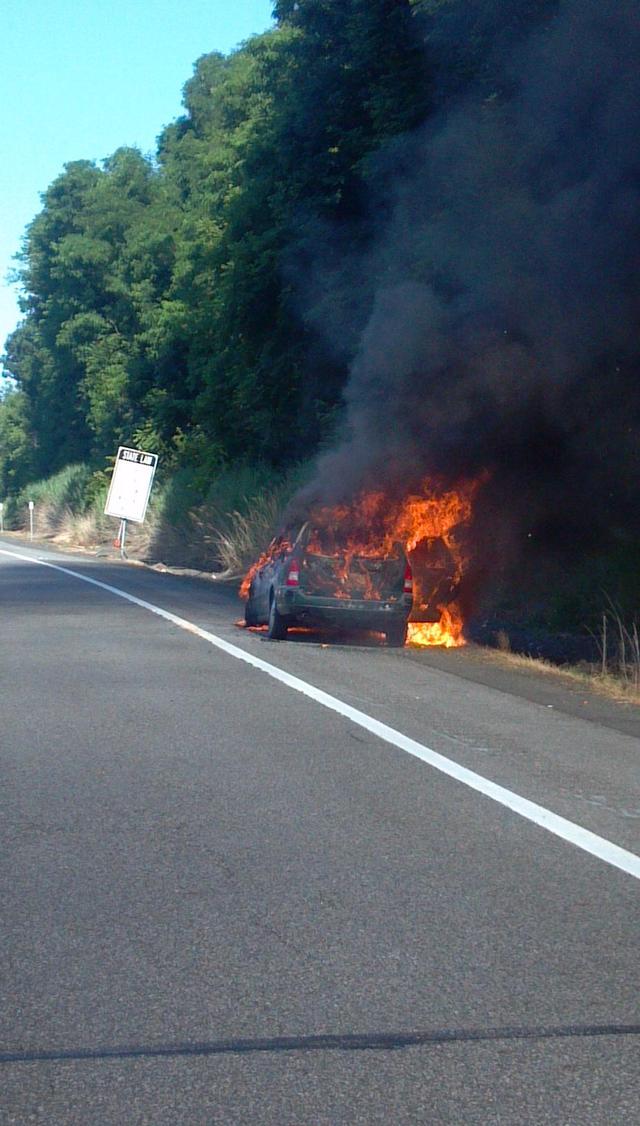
496	313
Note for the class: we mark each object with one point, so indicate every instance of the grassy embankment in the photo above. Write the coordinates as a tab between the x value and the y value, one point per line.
224	527
220	528
616	673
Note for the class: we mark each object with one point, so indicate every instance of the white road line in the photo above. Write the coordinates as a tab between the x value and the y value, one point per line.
567	830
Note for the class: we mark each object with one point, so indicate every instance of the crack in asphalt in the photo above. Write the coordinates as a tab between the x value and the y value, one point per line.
346	1042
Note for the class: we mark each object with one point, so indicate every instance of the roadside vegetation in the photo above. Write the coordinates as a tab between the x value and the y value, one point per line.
614	670
220	530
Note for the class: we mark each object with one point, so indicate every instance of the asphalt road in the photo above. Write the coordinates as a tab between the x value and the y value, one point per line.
223	901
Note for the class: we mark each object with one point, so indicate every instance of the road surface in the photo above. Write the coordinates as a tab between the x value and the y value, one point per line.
296	883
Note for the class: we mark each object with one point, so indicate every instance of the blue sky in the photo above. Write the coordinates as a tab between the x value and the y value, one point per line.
82	77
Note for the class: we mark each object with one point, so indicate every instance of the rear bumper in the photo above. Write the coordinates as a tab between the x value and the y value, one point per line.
296	606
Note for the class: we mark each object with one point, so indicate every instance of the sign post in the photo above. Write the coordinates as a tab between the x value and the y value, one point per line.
1	516
31	507
122	535
130	489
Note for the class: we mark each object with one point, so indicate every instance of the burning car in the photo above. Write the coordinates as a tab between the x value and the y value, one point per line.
389	563
311	580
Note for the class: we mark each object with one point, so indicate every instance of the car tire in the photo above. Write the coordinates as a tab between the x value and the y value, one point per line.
250	617
397	635
277	627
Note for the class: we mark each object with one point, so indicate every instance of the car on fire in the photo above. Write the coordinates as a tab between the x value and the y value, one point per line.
310	580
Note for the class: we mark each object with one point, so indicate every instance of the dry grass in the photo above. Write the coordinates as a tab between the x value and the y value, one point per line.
226	532
239	539
87	530
619	646
615	675
607	683
222	536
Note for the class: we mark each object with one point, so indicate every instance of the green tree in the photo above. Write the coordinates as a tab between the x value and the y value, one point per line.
95	263
17	459
274	138
159	296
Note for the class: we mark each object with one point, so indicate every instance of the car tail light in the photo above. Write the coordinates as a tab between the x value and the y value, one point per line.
293	574
408	579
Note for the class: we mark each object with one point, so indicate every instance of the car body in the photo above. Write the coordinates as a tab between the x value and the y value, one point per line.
436	578
307	581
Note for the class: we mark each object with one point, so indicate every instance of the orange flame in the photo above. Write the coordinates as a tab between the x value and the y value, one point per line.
428	525
275	548
448	632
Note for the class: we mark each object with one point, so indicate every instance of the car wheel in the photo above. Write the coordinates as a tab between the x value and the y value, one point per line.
397	635
250	617
277	628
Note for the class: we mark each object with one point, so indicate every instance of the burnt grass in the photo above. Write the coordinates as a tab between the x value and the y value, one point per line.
559	607
534	641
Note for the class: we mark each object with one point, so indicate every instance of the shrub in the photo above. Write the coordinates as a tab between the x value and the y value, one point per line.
54	499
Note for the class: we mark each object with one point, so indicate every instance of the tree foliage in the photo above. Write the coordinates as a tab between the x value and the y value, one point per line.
16	450
160	299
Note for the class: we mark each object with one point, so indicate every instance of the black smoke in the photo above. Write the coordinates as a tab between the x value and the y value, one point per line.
494	319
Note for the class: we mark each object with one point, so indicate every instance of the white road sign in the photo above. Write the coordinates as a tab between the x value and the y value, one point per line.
131	484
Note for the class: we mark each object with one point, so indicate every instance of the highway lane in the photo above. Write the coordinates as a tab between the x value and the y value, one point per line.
204	870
